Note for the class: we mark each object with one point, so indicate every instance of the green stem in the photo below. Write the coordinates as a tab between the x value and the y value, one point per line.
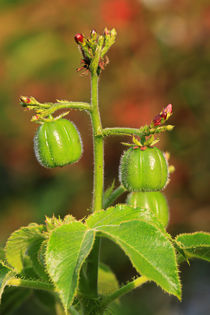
98	182
32	284
113	196
124	290
65	104
122	132
142	132
98	144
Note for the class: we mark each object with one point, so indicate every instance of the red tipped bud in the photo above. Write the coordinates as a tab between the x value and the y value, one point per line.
168	109
157	120
163	115
106	31
79	38
93	33
25	99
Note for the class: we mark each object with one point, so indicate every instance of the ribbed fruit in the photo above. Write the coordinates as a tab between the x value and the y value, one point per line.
154	201
57	143
143	170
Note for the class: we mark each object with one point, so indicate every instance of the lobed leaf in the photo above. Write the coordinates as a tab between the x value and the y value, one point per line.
148	247
121	213
195	245
67	248
26	240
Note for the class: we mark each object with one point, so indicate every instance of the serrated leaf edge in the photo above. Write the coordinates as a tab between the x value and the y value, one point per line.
8	276
177	270
57	289
187	234
32	225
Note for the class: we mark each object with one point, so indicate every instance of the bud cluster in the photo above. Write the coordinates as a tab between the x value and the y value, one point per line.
94	49
161	118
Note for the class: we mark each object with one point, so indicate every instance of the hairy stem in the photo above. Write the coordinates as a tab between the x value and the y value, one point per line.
121	132
32	284
98	182
98	144
124	290
142	132
65	104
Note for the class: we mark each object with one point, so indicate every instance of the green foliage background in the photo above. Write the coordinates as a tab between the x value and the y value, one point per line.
162	56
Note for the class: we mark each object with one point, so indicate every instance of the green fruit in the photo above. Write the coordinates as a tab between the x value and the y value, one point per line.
143	170
57	143
154	201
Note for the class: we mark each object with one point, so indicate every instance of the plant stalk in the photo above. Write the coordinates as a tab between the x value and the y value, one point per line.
98	183
124	290
32	284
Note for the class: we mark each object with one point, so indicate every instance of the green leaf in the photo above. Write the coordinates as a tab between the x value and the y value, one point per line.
33	253
108	192
121	213
21	242
107	281
5	275
195	245
148	247
67	249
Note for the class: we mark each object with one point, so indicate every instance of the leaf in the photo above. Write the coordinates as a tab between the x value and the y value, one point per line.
33	253
108	192
25	239
5	275
107	281
181	255
67	249
148	248
121	213
195	245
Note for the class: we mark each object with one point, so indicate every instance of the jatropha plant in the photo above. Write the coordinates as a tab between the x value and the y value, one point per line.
60	258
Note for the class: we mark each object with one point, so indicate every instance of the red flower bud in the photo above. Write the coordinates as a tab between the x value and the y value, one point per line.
25	99
168	109
79	38
157	120
163	115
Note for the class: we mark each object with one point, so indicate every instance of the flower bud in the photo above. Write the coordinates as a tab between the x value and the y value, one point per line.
79	38
168	109
157	120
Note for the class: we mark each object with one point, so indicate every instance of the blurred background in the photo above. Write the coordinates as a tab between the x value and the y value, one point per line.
162	55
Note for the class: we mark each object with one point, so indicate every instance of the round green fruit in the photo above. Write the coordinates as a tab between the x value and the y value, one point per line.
143	170
154	201
57	143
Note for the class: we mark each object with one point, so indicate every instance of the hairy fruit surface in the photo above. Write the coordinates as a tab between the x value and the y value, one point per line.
57	143
154	201
143	170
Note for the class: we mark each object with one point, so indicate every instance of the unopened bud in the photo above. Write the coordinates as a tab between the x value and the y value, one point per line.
168	109
25	99
157	120
106	31
169	127
79	38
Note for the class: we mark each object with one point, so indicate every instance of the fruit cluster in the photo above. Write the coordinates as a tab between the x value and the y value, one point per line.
144	173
